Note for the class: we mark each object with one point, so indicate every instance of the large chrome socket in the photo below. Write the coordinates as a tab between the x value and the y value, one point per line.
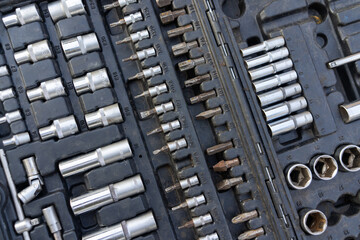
284	108
100	157
279	94
324	167
313	222
92	81
290	123
107	195
349	158
299	176
350	112
65	9
60	128
34	52
22	16
80	45
47	90
104	117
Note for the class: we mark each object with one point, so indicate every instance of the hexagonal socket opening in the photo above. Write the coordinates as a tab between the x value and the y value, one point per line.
314	222
349	158
299	176
325	167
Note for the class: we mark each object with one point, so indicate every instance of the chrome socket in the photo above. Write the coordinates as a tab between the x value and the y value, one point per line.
157	90
284	108
47	90
213	236
350	112
104	117
34	52
125	230
52	222
106	195
349	158
189	182
92	81
11	117
80	45
274	81
17	140
22	16
98	158
264	46
138	36
60	128
271	69
6	94
133	18
4	71
313	222
195	201
202	220
119	3
26	225
65	9
299	176
170	126
324	167
267	58
290	123
279	94
177	144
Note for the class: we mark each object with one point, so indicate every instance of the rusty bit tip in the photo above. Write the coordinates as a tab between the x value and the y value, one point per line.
182	205
163	149
156	130
223	165
131	58
172	188
170	16
144	94
219	148
146	114
197	80
125	40
118	23
136	77
229	183
243	217
180	30
111	5
203	97
251	234
209	113
188	224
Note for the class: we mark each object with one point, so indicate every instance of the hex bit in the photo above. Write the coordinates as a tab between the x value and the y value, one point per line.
190	64
209	113
147	73
223	165
141	55
154	91
197	80
180	30
163	3
183	47
158	110
226	184
203	97
118	3
135	37
170	16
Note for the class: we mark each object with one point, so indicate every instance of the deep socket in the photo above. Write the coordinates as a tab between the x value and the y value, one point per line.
65	9
324	167
350	112
34	52
80	45
273	68
104	117
298	176
11	117
267	58
264	46
348	157
17	139
22	16
279	94
314	222
47	90
60	128
284	108
290	123
92	81
274	81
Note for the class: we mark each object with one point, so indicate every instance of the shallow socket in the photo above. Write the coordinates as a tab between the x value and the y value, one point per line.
299	176
349	158
324	167
314	222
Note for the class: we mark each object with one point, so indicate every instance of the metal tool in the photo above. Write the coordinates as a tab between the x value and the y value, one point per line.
4	71
170	16
22	16
275	81
65	9
147	73
6	94
279	94
166	127
213	236
191	202
129	19
135	37
219	148
183	47
223	165
163	3
190	64
119	3
172	146
350	112
267	58
52	222
106	195
180	30
92	81
244	217
60	128
184	184
251	234
11	117
100	157
158	110
34	52
313	222
197	80
342	61
226	184
126	230
324	167
209	113
154	91
290	123
80	45
35	181
298	176
284	108
26	225
264	46
47	90
198	221
141	55
348	157
203	97
17	139
270	69
104	116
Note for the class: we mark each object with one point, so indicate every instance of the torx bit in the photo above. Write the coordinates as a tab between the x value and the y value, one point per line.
166	127
172	146
119	3
147	73
198	221
191	202
223	165
180	30
135	37
154	91
219	148
170	16
251	234
11	117
183	47
158	109
209	113
243	217
229	183
141	55
345	60
203	97
129	19
197	80
190	64
163	3
184	184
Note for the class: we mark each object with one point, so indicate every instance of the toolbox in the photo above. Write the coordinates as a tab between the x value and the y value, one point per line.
179	119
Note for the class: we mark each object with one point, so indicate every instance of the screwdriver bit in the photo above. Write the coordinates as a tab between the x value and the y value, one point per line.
129	19
198	221
166	127
135	37
226	184
154	91
170	16
119	3
251	234
11	117
190	64
183	47
141	55
147	73
172	146
203	97
243	217
209	113
219	148
191	202
223	165
197	80
180	30
163	3
184	184
158	109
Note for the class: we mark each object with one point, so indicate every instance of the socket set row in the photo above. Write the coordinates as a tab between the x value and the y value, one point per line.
168	119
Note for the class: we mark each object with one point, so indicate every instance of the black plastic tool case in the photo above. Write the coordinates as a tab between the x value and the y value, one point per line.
221	28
